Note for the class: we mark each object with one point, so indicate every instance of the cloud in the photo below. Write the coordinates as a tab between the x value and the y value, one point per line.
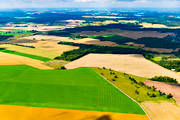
89	3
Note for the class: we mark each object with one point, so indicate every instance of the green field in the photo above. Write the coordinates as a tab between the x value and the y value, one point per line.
13	32
25	55
137	90
81	89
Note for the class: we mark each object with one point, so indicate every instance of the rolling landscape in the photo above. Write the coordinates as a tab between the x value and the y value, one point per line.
104	60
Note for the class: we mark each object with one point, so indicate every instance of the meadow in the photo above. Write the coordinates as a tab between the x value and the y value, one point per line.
132	85
80	89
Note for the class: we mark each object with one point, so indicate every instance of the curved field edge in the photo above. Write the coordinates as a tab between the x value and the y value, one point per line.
11	112
25	55
78	89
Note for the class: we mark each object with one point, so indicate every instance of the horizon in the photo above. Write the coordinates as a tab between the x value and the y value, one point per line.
6	4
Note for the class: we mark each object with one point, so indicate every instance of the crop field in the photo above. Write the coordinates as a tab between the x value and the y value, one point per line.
136	90
38	28
126	33
162	110
78	89
150	25
11	59
9	112
25	54
48	48
33	51
56	39
133	64
166	88
11	32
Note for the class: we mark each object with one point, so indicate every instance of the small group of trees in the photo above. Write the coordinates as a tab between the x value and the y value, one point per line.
164	79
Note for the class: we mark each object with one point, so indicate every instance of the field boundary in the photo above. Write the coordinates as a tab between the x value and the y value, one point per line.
124	93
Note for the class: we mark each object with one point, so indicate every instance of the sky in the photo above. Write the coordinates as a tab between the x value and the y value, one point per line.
89	3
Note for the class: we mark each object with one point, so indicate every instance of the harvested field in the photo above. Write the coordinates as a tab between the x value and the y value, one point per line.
126	33
10	59
57	39
51	46
111	17
133	64
162	110
150	25
39	28
33	51
8	112
166	88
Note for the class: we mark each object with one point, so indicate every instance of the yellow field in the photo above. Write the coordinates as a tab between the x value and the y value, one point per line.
52	47
150	25
10	59
127	21
162	110
33	51
130	63
8	112
55	39
112	17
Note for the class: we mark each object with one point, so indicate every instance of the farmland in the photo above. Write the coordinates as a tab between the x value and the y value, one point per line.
126	33
162	110
24	54
11	59
42	88
21	112
132	64
56	39
89	64
132	87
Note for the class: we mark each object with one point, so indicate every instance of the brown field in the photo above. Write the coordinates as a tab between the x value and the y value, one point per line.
159	50
166	88
10	59
162	110
130	63
57	39
126	33
8	112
